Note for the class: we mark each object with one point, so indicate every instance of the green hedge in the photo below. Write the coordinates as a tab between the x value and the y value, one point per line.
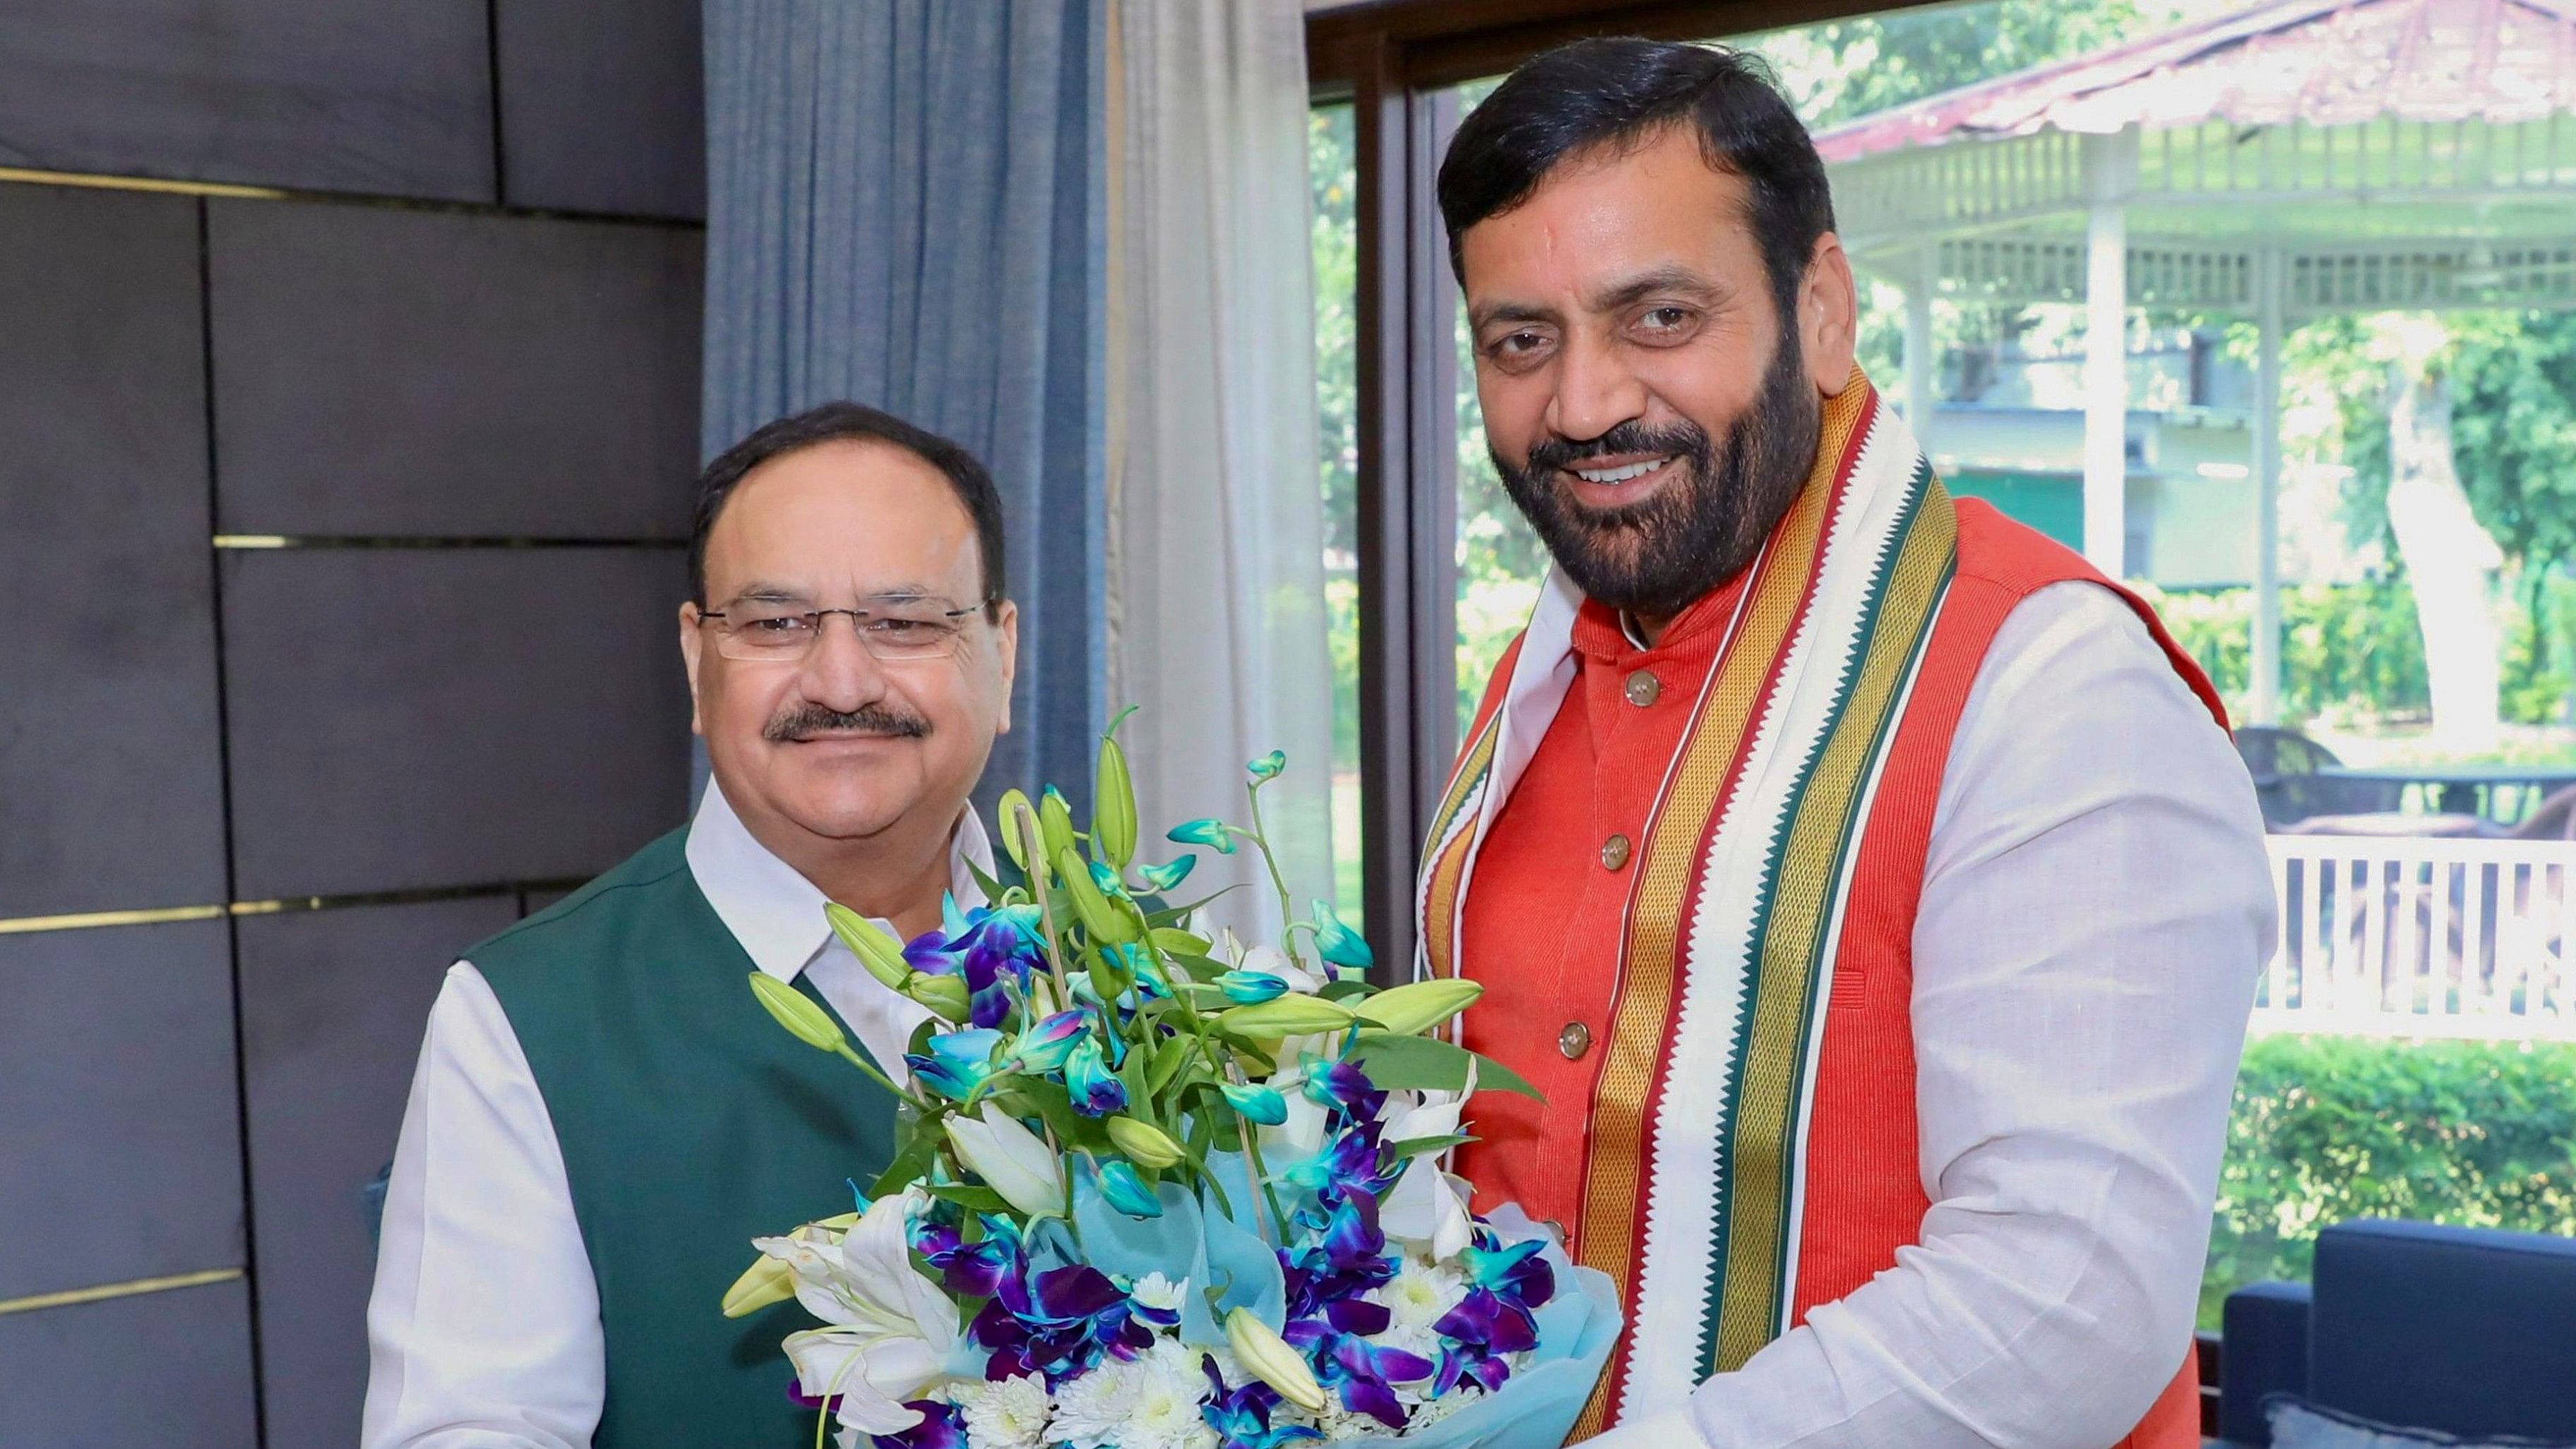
2482	1134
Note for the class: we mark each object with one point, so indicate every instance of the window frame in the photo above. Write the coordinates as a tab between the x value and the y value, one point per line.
1395	61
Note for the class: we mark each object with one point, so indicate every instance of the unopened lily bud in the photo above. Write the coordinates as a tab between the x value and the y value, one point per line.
1007	813
1113	806
1421	1005
763	1283
1295	1014
1259	1348
1145	1144
1055	822
1108	925
877	950
945	995
797	1012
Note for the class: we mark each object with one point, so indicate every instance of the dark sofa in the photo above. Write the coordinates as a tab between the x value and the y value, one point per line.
2467	1330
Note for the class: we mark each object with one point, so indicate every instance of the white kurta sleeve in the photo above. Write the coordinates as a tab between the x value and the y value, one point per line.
2096	909
484	1329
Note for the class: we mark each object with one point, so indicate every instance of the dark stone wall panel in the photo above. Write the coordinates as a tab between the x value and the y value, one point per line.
424	717
119	1136
333	1004
603	107
433	374
394	100
110	785
171	1370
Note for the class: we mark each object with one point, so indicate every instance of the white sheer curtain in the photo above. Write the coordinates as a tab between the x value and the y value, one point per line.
1216	599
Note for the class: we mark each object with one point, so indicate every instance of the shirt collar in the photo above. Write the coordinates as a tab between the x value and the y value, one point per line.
771	908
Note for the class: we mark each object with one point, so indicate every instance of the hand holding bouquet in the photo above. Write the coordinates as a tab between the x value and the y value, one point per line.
1158	1190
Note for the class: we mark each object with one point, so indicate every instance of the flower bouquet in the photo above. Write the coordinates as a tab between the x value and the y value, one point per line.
1154	1189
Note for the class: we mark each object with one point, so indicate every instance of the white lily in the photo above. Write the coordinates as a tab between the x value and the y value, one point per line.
890	1330
1428	1209
1011	1159
1409	1115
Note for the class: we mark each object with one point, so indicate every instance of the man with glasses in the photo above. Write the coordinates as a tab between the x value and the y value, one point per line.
603	1115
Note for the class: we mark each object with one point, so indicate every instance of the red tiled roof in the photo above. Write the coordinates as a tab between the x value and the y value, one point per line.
2324	62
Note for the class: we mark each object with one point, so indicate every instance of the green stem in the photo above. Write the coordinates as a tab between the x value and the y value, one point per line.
1261	839
880	1078
1261	1175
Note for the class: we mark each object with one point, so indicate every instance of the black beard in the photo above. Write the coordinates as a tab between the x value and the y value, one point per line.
1652	558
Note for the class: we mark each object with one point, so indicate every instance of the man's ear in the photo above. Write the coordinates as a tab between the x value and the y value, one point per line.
1006	635
692	639
1829	316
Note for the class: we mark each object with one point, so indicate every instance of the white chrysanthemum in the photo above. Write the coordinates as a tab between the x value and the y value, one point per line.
1158	1292
1009	1414
1420	1294
1091	1409
1164	1413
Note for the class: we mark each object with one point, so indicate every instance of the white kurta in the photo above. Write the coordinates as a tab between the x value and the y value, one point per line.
484	1329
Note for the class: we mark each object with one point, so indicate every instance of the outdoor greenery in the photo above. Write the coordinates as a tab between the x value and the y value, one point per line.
2481	1134
2352	654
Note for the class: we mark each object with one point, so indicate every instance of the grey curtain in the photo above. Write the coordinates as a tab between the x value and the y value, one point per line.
906	207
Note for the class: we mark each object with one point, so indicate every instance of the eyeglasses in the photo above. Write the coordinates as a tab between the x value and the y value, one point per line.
894	629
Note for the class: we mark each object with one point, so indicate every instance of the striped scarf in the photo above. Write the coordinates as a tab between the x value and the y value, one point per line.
1694	1177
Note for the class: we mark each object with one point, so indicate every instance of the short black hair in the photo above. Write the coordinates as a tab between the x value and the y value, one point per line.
1595	94
842	422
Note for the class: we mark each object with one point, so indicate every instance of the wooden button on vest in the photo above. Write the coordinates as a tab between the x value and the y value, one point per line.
1614	852
1574	1041
1644	689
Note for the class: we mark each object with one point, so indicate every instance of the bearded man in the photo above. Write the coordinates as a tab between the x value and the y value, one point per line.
1871	882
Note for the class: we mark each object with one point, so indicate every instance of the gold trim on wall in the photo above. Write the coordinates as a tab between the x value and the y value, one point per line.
163	915
242	542
98	182
105	1291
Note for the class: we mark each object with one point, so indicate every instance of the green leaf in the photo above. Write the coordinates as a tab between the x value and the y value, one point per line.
974	1199
1169	1058
1428	1064
1416	1146
1345	990
912	1160
1174	915
991	888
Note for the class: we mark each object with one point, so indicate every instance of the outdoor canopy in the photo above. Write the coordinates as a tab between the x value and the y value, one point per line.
2279	163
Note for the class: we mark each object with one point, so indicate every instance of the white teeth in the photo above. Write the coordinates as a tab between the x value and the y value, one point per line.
1620	475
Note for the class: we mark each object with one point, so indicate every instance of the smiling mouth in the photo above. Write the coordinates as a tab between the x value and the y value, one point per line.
1623	473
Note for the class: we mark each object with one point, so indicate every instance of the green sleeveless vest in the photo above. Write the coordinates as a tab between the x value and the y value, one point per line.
690	1123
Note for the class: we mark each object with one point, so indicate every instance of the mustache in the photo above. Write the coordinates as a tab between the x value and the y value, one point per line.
1683	439
810	719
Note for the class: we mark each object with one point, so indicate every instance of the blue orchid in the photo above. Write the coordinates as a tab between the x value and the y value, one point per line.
1346	1362
1495	1317
1338	943
1167	877
1257	1103
1058	1323
1095	1089
1242	1417
1123	1189
1251	988
976	1269
994	951
1347	1258
958	1061
1044	1046
1211	833
1345	1088
1269	765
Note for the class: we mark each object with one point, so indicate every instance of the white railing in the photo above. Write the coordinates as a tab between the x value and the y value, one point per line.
2422	937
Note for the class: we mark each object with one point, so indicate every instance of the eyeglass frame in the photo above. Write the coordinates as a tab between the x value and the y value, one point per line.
856	616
